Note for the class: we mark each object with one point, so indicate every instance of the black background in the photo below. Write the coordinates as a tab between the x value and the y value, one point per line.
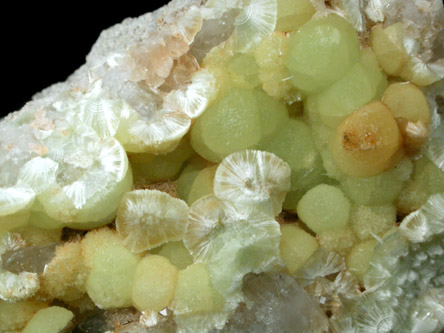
44	44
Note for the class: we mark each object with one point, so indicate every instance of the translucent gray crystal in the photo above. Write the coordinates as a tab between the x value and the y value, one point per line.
94	323
276	303
126	320
213	32
32	259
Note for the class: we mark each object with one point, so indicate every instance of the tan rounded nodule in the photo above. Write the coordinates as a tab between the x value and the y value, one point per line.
367	142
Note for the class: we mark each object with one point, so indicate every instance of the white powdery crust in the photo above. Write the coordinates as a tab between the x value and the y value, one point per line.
130	68
121	38
133	31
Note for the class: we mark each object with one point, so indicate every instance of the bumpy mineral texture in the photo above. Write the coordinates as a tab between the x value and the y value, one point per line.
233	166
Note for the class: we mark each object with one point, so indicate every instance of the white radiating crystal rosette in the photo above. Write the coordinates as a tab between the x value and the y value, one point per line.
142	88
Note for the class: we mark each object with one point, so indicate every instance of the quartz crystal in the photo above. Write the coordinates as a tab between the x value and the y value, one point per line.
28	259
276	303
234	166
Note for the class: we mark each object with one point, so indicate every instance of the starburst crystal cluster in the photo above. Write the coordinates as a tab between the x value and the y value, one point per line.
234	166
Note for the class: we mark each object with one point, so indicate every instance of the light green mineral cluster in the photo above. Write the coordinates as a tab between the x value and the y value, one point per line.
233	166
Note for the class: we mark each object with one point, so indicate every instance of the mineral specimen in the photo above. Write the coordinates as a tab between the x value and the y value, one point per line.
228	166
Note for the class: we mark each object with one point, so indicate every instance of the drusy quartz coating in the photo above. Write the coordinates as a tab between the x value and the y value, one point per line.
234	166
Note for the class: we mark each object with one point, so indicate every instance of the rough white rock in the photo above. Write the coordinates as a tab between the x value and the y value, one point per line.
139	90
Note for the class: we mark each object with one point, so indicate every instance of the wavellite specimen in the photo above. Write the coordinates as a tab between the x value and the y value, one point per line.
234	166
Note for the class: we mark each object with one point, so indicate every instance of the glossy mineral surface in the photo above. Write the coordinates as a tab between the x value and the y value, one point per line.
234	166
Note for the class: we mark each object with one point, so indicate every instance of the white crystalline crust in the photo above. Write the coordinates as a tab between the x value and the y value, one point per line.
63	160
404	289
133	31
65	138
